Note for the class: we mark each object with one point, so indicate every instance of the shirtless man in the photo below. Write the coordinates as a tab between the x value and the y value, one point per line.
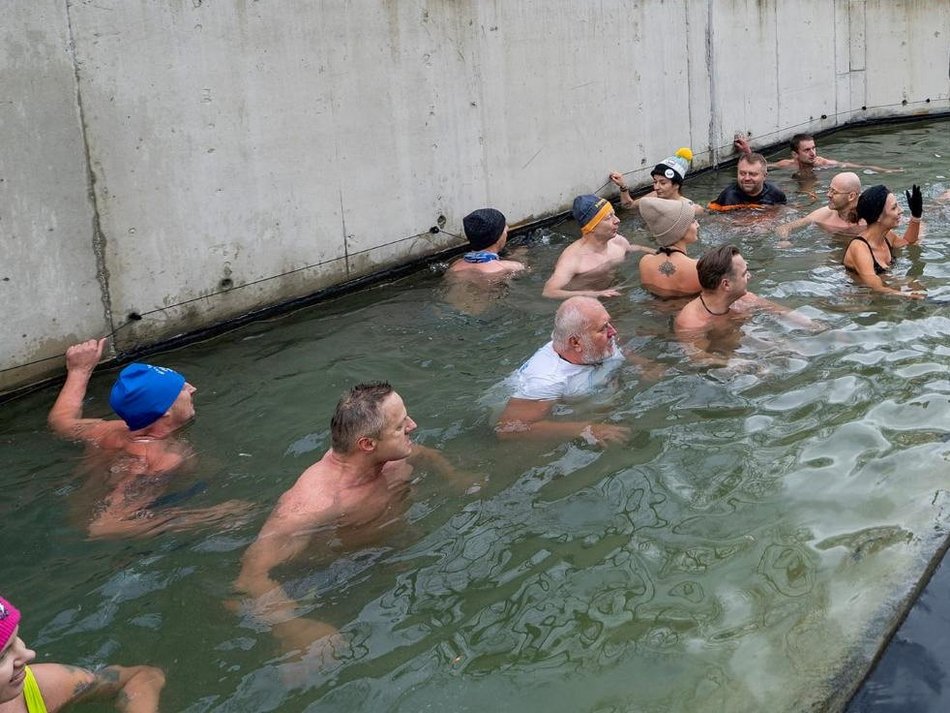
139	454
804	157
724	300
581	358
351	495
487	233
668	176
591	259
839	215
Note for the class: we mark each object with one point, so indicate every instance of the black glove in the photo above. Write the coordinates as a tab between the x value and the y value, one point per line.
915	201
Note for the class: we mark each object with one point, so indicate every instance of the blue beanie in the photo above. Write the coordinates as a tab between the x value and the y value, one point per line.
143	393
585	207
589	210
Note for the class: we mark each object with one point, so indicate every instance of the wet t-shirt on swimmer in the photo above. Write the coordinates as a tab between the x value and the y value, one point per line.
546	376
734	195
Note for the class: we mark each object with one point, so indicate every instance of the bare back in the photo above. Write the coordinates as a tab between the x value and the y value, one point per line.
460	269
669	276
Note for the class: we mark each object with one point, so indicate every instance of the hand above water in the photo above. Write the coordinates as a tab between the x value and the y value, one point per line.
85	356
915	201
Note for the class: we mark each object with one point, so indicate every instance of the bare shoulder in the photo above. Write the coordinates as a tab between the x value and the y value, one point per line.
620	240
511	265
312	497
822	161
689	320
820	214
60	683
569	257
784	163
111	435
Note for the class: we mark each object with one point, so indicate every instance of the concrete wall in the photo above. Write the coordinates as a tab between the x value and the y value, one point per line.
191	160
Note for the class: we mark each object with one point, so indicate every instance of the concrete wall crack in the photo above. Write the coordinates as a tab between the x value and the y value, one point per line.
98	239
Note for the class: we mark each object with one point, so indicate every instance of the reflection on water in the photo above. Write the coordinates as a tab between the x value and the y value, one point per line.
744	550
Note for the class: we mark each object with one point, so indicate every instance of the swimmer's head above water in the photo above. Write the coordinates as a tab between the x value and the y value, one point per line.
143	394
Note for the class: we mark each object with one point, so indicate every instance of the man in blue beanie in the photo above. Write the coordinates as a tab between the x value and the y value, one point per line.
153	403
586	265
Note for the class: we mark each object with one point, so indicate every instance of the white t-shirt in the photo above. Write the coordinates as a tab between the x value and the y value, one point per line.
548	377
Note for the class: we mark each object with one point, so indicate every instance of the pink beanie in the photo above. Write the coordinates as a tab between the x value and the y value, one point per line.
9	618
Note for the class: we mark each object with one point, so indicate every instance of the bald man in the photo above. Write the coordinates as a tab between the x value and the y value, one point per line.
839	215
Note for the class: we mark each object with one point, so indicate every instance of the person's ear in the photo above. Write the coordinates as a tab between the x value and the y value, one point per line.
574	341
366	444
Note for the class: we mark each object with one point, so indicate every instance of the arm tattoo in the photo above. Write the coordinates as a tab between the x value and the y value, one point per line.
102	681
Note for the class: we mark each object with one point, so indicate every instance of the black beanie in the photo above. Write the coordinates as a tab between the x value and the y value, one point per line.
483	227
871	203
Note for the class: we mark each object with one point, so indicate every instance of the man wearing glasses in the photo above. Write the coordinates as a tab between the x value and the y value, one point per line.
839	216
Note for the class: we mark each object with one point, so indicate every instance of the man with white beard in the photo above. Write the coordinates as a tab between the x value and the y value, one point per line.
580	358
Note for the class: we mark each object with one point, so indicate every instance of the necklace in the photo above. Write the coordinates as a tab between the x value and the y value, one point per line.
715	314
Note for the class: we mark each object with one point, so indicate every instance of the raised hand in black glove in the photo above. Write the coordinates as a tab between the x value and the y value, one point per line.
915	201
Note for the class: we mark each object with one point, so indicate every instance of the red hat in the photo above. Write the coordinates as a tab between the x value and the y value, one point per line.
9	619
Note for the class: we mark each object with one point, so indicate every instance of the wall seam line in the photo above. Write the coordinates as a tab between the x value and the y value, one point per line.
98	238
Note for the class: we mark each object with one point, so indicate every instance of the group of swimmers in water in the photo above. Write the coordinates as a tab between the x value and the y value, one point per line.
869	217
360	487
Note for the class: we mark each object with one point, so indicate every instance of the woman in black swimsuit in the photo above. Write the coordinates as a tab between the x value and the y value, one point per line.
870	254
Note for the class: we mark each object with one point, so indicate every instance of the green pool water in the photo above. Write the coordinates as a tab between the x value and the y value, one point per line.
746	551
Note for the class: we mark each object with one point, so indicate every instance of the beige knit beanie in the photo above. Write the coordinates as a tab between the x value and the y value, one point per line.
667	220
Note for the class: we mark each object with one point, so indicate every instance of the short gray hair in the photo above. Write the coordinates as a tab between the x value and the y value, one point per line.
572	319
358	414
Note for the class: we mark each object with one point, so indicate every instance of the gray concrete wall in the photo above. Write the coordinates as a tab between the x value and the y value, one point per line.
191	160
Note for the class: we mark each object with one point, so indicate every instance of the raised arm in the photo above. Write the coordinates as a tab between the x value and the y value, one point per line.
65	418
626	200
527	419
133	689
915	201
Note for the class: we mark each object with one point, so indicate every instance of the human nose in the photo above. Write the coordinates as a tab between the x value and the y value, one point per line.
411	426
611	331
23	654
189	388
